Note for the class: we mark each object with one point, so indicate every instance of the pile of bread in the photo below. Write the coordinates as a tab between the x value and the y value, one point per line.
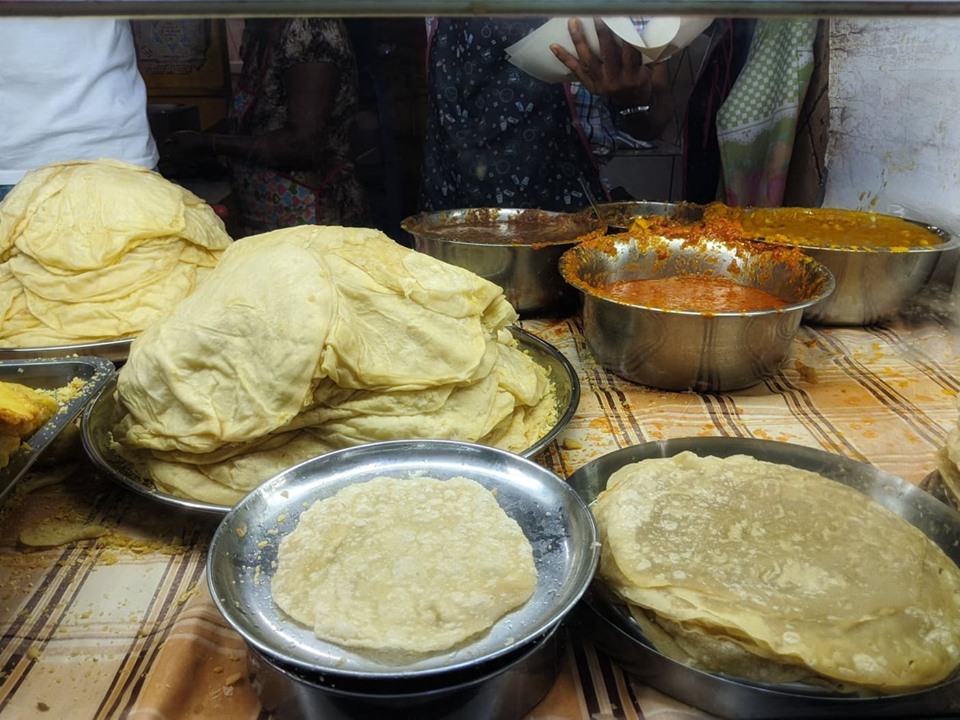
404	565
252	356
776	574
313	338
95	251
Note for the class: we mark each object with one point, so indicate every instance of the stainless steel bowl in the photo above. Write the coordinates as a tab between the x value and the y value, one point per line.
685	350
515	248
610	625
507	689
619	216
243	553
873	283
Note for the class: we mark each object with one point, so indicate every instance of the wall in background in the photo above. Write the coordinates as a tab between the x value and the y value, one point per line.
895	116
894	142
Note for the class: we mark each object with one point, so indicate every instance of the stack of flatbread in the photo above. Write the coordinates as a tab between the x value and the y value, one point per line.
948	464
314	338
93	251
772	573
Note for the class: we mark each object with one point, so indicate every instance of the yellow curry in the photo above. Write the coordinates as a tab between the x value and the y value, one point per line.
829	227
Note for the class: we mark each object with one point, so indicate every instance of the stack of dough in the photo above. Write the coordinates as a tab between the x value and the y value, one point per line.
948	463
93	251
774	573
313	338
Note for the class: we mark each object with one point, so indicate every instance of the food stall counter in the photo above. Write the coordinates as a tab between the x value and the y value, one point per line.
121	624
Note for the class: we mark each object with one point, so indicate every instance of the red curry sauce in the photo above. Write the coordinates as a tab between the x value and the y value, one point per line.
697	293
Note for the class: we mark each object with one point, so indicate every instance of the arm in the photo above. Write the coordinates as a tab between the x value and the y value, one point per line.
310	89
620	75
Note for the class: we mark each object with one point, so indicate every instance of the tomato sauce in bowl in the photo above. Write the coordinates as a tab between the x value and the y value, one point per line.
697	293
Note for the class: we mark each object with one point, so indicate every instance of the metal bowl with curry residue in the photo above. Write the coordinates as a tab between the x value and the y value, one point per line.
517	249
699	350
879	261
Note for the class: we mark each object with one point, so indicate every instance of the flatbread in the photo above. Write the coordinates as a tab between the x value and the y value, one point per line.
93	251
412	565
793	566
339	336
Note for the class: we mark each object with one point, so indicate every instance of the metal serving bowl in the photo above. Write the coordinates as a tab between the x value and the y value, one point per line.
611	626
243	553
687	350
619	216
515	248
872	283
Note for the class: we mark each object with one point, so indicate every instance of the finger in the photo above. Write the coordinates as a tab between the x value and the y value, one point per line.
582	71
630	57
579	38
610	50
561	53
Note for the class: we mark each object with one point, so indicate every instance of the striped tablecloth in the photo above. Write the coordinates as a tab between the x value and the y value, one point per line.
122	626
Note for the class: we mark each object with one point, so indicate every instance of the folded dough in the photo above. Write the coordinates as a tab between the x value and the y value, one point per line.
93	251
312	338
787	565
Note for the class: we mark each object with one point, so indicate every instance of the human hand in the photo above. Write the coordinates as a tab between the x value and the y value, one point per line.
618	72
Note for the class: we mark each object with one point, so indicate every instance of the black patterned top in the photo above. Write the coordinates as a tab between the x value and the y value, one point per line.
496	136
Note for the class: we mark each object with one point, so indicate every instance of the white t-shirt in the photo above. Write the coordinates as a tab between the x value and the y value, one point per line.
70	90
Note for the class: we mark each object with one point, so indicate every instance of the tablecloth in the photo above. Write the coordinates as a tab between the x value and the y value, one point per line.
123	625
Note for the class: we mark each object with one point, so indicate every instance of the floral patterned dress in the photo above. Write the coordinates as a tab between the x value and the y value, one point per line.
330	194
496	136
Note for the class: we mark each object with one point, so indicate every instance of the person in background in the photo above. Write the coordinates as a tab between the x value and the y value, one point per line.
719	70
291	124
498	137
70	90
388	145
757	123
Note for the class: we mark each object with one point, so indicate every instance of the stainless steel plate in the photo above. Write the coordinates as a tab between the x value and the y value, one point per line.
114	350
101	415
243	551
96	433
50	374
565	379
615	631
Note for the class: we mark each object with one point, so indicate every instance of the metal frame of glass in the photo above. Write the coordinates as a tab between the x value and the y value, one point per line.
410	8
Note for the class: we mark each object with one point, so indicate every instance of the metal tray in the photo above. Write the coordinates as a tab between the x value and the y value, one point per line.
100	417
50	374
615	632
554	518
114	350
96	433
